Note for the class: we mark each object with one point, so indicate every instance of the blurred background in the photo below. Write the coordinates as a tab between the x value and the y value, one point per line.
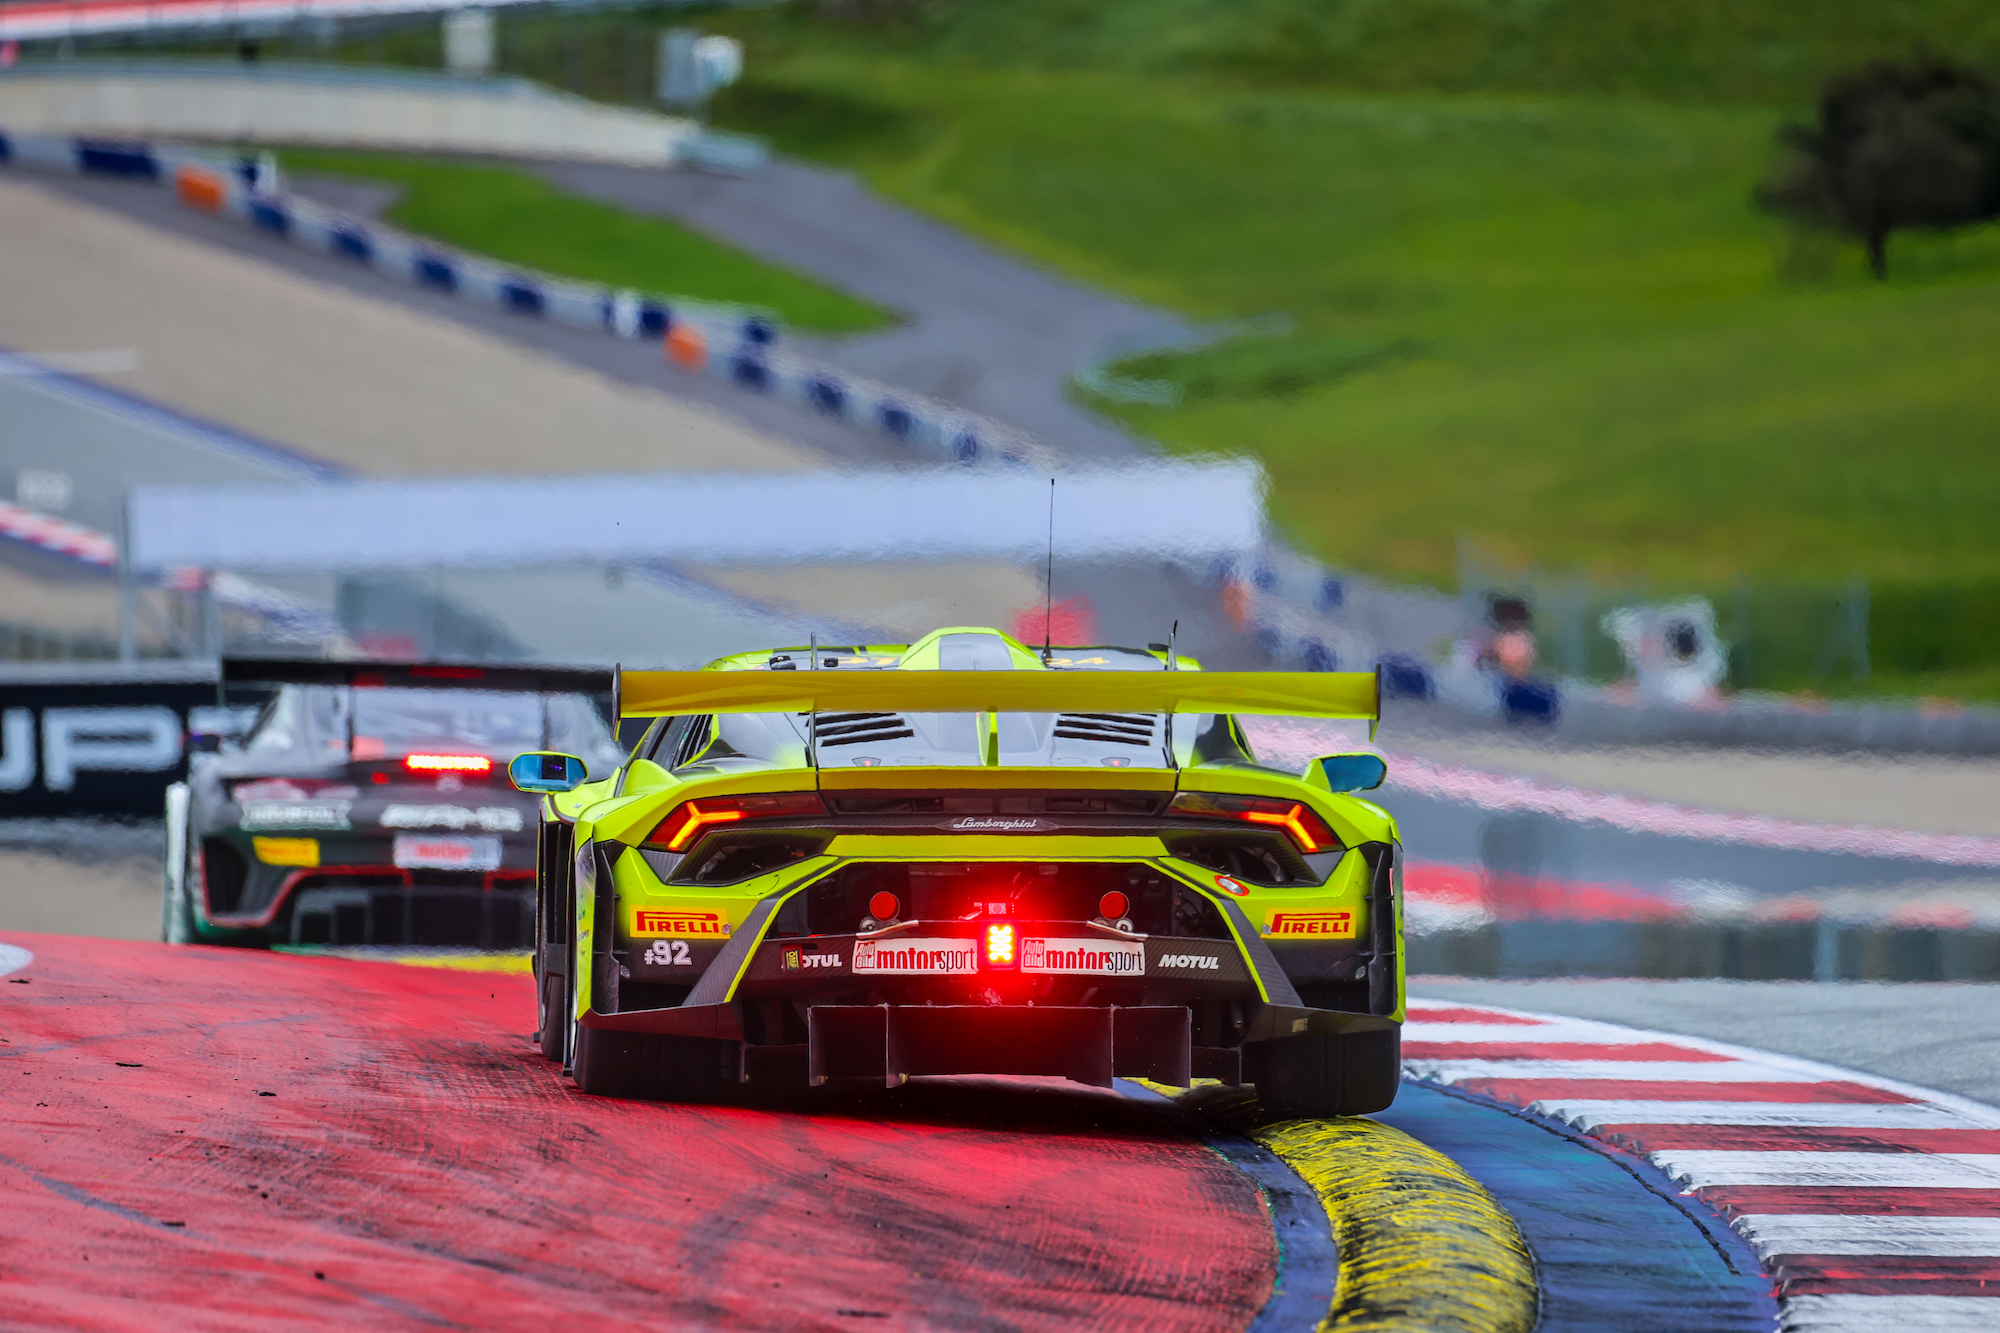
1616	377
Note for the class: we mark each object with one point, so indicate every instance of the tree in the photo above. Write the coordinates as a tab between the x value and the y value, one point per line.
1896	146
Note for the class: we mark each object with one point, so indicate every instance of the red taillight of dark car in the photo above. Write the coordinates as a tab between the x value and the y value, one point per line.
435	764
1299	821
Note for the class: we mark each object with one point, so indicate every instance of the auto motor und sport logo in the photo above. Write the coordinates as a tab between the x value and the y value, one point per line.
1101	958
678	921
1313	925
907	957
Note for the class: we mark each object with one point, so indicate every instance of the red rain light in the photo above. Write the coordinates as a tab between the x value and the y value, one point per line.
448	763
1000	944
884	906
1113	905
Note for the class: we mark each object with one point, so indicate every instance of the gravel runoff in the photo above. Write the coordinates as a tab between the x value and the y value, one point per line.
1943	1035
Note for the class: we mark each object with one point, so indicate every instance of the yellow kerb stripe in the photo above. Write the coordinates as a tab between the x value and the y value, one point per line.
1424	1248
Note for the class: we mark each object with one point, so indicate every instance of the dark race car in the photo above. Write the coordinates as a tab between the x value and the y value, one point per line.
368	804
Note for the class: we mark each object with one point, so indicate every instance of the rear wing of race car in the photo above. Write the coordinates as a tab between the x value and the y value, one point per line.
418	675
1324	694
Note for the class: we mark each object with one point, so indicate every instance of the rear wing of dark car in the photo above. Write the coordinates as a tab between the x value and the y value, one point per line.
528	679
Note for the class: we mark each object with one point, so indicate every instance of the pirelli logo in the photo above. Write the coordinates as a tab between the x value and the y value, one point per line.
1311	925
674	921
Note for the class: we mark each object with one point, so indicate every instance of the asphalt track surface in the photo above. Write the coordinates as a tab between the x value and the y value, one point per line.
272	1142
981	327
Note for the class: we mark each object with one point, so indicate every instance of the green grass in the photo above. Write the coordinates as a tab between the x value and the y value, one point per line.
517	218
1554	324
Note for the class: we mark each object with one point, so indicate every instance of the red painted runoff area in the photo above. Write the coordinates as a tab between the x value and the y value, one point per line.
221	1139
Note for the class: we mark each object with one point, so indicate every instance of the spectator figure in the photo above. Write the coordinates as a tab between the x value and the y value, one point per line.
1672	652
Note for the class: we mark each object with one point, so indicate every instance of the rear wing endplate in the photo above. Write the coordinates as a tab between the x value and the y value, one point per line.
1329	694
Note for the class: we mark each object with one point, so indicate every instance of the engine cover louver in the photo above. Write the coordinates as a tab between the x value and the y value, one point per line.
859	728
1108	728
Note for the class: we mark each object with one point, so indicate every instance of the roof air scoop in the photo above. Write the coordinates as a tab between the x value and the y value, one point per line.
974	652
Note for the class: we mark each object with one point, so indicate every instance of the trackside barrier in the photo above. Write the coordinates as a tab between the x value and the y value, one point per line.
722	342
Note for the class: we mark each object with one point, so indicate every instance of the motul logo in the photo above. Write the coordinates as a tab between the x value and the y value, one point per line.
1204	962
654	921
1329	925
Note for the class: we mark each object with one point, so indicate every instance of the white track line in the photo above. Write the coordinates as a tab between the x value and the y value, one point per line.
13	958
1588	1115
1873	1314
1860	1234
1580	1033
1648	1071
1873	1170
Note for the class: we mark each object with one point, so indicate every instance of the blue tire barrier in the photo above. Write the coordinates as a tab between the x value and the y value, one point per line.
751	373
1407	677
1316	656
432	271
97	157
352	243
266	218
1535	701
827	396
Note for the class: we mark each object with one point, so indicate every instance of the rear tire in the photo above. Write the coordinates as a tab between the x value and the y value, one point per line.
552	1012
1315	1076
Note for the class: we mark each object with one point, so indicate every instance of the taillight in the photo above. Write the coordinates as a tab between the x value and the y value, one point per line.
884	907
448	763
686	821
1000	945
1113	905
1299	820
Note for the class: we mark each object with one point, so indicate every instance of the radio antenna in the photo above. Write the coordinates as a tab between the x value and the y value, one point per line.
1173	653
1049	579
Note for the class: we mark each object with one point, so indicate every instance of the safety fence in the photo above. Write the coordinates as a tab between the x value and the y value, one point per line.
722	342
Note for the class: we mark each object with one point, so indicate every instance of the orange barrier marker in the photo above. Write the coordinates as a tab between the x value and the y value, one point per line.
200	188
686	347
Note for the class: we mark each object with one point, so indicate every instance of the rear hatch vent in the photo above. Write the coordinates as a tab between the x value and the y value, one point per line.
1108	728
859	728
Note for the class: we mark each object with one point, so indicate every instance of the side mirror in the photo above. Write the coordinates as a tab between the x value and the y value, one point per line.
542	772
1351	772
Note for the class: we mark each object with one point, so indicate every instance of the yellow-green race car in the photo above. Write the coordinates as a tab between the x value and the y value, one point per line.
965	856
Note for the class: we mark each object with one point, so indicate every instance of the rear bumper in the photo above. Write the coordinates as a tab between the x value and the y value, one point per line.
1090	1044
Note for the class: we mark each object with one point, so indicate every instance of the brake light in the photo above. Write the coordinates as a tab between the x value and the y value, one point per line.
686	821
884	907
448	763
1000	945
1113	905
1300	821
